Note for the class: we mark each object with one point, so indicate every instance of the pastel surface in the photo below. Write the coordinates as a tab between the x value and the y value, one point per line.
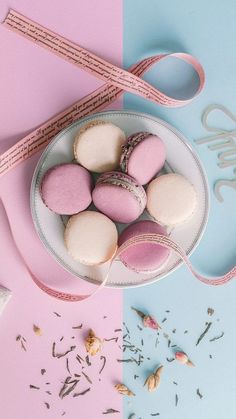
119	196
143	257
98	146
91	237
66	189
171	199
145	156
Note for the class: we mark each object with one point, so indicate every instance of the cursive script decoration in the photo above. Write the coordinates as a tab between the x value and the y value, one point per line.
221	139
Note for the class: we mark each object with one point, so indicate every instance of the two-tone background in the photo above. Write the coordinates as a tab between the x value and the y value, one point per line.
34	85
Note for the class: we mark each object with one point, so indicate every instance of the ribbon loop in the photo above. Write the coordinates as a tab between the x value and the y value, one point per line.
116	80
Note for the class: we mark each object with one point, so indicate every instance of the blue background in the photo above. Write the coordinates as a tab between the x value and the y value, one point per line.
206	30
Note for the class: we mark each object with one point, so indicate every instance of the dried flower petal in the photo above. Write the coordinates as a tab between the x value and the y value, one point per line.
92	343
183	358
122	389
153	380
148	321
37	330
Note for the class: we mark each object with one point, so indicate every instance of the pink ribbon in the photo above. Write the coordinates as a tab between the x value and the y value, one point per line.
117	81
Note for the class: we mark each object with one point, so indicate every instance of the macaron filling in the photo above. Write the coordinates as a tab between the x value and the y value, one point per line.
119	197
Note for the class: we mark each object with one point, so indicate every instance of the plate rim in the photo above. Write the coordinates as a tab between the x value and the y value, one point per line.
184	141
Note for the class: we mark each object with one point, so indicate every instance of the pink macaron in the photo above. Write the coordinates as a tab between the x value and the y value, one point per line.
119	196
66	189
143	156
143	257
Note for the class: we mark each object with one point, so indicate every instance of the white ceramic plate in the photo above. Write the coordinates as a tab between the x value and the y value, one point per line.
181	159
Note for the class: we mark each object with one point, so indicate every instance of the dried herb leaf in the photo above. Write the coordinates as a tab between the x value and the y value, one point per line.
57	314
23	345
87	377
170	359
18	337
34	387
67	366
78	327
217	337
204	333
82	392
174	382
68	387
154	414
118	330
164	320
108	411
176	399
108	340
79	358
43	371
47	405
60	355
199	394
104	363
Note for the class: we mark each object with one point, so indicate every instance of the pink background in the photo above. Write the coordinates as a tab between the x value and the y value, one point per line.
35	85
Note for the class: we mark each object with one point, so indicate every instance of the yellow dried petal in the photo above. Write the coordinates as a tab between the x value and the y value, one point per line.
37	330
153	381
122	389
92	343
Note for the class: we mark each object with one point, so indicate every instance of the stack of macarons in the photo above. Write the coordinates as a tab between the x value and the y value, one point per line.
126	186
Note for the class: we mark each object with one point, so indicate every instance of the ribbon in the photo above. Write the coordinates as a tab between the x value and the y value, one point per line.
157	239
117	81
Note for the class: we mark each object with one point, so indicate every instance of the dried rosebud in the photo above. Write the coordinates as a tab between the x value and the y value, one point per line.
183	358
92	343
122	389
153	380
148	321
37	330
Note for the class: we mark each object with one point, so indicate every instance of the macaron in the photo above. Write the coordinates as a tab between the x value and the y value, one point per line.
66	189
143	257
119	196
171	199
91	238
143	156
97	146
